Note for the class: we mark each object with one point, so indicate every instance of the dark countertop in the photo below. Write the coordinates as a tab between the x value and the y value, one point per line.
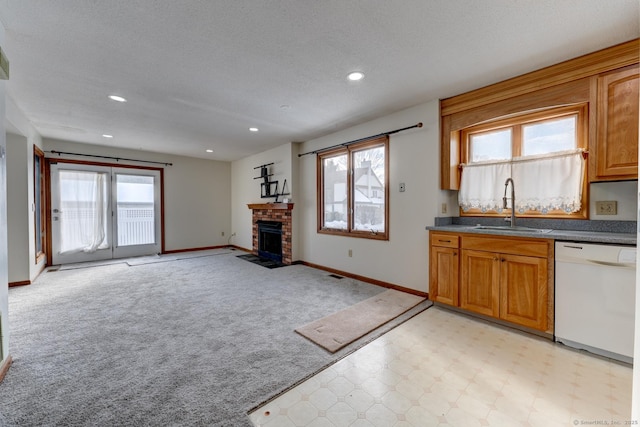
606	232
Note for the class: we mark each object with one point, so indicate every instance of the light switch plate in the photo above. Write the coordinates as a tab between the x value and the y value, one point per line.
608	207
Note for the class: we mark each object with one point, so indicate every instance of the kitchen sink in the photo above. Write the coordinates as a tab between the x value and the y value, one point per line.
514	229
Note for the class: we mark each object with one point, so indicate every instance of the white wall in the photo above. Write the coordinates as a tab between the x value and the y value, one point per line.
635	396
623	192
295	218
4	283
22	138
197	193
635	393
246	190
18	214
414	160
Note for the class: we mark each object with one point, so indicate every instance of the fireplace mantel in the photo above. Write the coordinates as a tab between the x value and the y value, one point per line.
285	206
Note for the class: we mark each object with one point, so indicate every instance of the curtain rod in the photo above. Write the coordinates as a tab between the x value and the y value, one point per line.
344	144
109	157
531	158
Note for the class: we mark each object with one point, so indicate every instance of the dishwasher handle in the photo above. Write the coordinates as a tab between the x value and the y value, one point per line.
610	264
596	254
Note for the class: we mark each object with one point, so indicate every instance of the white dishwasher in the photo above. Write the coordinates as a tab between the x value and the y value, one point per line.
595	298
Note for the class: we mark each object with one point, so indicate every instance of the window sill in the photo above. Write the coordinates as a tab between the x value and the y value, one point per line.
356	234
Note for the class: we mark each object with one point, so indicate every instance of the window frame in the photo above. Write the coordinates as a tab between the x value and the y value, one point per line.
349	151
40	203
516	122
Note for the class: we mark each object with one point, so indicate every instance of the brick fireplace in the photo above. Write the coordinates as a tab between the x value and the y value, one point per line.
275	212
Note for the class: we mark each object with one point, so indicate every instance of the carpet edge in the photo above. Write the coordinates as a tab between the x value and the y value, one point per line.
358	344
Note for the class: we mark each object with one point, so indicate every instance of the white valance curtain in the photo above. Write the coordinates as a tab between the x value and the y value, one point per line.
542	183
482	185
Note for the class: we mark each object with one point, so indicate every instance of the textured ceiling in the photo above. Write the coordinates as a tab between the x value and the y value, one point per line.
198	73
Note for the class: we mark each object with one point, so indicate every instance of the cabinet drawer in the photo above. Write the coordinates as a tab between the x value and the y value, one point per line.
527	247
444	240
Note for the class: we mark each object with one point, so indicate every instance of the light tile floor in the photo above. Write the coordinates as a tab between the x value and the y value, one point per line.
446	369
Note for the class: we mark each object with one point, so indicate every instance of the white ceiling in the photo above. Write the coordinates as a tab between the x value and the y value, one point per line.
198	73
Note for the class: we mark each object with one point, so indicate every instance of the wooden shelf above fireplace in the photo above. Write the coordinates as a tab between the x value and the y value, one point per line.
282	206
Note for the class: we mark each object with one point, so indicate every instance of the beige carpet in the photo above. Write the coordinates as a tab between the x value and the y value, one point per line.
339	329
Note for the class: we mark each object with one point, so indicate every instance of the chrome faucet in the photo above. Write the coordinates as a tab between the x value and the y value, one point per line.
513	200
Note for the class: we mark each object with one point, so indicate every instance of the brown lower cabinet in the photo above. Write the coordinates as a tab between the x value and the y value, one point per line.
507	278
443	268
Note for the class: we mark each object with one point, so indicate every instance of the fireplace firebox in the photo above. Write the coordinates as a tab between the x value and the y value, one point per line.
270	240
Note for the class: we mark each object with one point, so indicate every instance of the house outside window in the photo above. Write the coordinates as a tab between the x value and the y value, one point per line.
353	190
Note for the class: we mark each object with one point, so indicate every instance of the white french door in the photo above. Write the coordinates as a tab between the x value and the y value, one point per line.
100	212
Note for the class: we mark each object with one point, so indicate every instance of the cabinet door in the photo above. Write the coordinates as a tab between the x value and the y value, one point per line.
443	285
523	290
617	135
479	283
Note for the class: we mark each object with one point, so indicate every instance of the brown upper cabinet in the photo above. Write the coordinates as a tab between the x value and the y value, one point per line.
616	155
603	80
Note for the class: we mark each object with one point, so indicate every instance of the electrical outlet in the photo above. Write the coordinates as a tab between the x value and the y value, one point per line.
609	207
223	234
443	208
350	253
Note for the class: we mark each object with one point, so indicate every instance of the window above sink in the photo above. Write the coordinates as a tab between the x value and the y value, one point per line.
543	151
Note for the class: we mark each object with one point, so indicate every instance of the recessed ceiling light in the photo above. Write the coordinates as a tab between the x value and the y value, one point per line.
355	76
106	135
285	107
209	151
117	98
253	129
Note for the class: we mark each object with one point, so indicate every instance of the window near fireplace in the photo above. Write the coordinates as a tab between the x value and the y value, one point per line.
353	190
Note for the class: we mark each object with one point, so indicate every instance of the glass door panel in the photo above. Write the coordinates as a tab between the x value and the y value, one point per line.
81	224
135	207
136	195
